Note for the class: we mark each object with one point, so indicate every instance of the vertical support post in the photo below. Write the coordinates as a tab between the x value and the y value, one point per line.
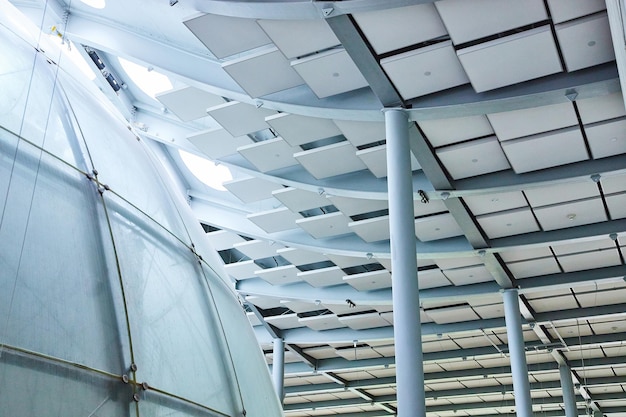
517	353
278	368
405	289
569	396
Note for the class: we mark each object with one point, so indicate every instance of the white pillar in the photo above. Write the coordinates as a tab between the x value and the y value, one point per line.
569	396
278	368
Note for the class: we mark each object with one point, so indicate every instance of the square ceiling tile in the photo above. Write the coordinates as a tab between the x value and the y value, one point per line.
586	42
470	20
323	277
525	122
534	267
545	150
300	200
617	205
395	28
613	183
217	33
458	262
560	193
477	157
571	214
562	10
439	226
269	155
607	138
508	223
360	322
189	103
285	321
322	322
275	220
432	278
601	108
258	249
280	275
240	118
329	73
301	256
223	239
369	281
520	254
251	189
590	260
325	225
297	38
300	306
511	59
371	230
277	72
362	133
425	70
452	314
375	158
316	160
298	130
254	320
441	132
242	269
343	261
353	206
492	203
583	246
217	143
261	301
468	275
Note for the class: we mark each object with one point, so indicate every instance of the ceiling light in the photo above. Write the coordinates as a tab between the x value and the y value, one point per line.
571	216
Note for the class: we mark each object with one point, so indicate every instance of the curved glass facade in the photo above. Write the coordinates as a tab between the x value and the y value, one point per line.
109	301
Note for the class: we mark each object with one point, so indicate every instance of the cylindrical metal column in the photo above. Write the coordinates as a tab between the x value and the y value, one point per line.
517	354
278	368
569	396
405	289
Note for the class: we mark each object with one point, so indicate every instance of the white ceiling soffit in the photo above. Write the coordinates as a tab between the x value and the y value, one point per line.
300	200
352	206
432	278
375	158
425	70
322	322
217	143
533	120
323	277
223	239
601	108
508	223
468	275
614	183
534	267
275	220
572	214
473	158
299	306
242	269
391	29
301	256
441	132
359	322
493	203
329	73
251	189
281	275
590	260
545	150
316	160
586	42
362	133
325	225
269	155
561	193
298	130
470	20
240	118
563	10
285	321
297	38
258	249
225	36
452	314
371	230
189	103
277	72
439	226
512	59
617	205
369	281
607	138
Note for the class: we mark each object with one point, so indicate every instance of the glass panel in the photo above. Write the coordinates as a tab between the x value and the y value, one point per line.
154	404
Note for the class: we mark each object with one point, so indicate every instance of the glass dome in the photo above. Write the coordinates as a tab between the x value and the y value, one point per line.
111	304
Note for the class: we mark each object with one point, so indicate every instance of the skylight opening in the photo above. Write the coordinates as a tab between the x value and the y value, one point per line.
96	4
206	171
72	53
150	81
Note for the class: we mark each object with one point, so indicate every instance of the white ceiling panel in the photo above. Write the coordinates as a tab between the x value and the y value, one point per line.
425	70
607	138
441	132
300	306
240	118
299	200
278	74
254	320
491	311
562	10
369	281
223	239
363	321
316	160
458	262
329	73
362	133
217	143
508	223
296	38
512	59
375	158
261	301
519	254
189	103
560	193
468	275
534	267
275	220
258	249
432	278
586	42
251	189
439	226
470	20
358	353
242	269
601	108
299	256
525	122
323	277
583	246
210	29
269	155
325	225
390	29
284	321
280	275
477	157
298	130
617	205
433	206
491	203
343	261
352	206
545	150
542	305
571	214
452	314
613	184
590	260
594	299
371	230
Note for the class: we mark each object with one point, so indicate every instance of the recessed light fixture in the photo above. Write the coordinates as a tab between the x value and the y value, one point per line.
591	43
571	216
